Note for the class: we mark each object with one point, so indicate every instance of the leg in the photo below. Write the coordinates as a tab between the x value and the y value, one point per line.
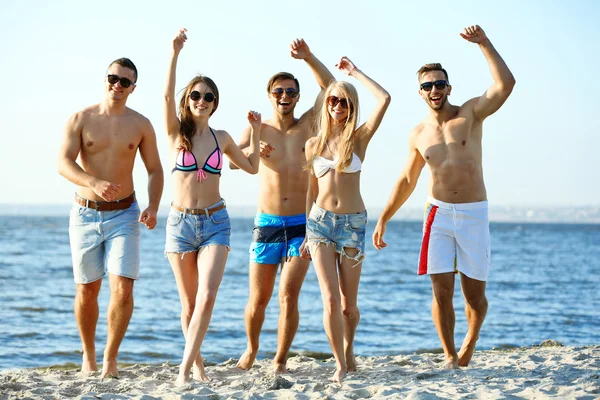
120	308
185	269
442	311
475	308
211	266
292	277
325	262
349	280
261	282
86	315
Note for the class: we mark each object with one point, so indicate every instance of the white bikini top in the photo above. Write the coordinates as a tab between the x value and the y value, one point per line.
322	165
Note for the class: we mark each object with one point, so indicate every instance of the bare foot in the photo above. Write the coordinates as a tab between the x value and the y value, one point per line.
338	376
279	368
182	379
450	363
246	360
464	355
198	370
109	369
88	365
350	360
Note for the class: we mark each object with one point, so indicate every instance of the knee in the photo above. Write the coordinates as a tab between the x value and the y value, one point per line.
86	293
206	301
332	304
443	295
122	290
187	308
258	304
477	303
288	303
351	312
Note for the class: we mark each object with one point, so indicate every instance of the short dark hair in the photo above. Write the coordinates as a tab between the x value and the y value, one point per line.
127	63
280	76
431	67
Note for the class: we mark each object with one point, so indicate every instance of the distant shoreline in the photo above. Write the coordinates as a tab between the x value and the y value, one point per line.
498	213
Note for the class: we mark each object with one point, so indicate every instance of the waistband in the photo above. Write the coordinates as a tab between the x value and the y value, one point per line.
263	219
331	214
208	211
120	204
477	205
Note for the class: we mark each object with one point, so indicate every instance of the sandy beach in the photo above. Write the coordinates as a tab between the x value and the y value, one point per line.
549	370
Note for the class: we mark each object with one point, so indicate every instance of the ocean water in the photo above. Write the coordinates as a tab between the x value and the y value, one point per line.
543	285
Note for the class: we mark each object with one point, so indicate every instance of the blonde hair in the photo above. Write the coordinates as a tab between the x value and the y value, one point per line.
324	125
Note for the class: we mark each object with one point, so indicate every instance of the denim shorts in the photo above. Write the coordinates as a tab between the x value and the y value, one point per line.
276	237
340	230
188	233
104	240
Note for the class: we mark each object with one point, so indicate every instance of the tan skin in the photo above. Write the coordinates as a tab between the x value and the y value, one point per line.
106	138
199	274
448	141
283	186
339	192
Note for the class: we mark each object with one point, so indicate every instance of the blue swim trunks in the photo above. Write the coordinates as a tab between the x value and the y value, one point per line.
275	237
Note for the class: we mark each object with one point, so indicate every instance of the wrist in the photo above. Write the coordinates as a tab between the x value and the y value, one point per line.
354	71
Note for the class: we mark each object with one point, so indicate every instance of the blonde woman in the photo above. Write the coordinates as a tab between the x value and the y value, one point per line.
198	227
337	216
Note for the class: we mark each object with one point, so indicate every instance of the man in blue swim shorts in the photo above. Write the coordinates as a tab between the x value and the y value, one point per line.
279	226
104	226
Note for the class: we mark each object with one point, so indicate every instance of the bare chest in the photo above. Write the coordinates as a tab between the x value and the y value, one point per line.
116	135
454	141
288	148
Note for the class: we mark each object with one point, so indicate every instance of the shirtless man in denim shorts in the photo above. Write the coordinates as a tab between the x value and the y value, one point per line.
104	227
279	226
456	234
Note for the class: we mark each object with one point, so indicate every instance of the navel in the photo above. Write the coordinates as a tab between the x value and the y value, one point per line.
464	142
89	143
427	157
303	149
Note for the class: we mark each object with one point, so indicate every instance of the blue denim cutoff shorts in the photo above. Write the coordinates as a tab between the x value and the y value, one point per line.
104	240
189	232
340	230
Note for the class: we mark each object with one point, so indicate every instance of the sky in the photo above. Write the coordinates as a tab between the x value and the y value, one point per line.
540	149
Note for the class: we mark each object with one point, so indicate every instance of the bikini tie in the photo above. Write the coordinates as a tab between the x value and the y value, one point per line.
201	175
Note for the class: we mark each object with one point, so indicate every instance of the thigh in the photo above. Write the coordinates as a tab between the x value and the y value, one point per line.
324	259
473	289
350	273
185	270
473	244
211	267
292	277
438	248
122	244
87	246
350	243
261	278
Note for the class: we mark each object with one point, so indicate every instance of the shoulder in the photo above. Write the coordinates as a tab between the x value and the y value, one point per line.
222	135
311	143
79	118
468	106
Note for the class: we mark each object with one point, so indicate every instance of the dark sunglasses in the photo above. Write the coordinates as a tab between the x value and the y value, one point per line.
125	82
208	97
333	101
278	92
439	85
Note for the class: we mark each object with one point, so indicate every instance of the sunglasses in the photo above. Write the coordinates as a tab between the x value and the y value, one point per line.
439	85
333	101
278	92
208	97
125	82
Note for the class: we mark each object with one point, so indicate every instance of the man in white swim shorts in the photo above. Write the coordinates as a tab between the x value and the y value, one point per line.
456	229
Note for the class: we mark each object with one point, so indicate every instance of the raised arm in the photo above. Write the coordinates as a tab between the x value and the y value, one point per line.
402	190
504	81
67	162
171	120
244	145
368	129
249	159
300	51
151	159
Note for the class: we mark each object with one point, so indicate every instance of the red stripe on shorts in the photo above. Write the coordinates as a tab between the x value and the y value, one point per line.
425	244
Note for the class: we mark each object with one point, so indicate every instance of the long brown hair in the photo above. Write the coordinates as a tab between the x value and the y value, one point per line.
187	126
324	126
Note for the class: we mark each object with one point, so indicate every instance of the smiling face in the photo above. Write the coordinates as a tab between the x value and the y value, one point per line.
201	108
335	106
436	98
115	91
283	103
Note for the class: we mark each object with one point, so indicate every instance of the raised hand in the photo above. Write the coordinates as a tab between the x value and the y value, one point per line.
254	119
179	40
107	190
345	65
378	236
299	49
474	34
148	218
